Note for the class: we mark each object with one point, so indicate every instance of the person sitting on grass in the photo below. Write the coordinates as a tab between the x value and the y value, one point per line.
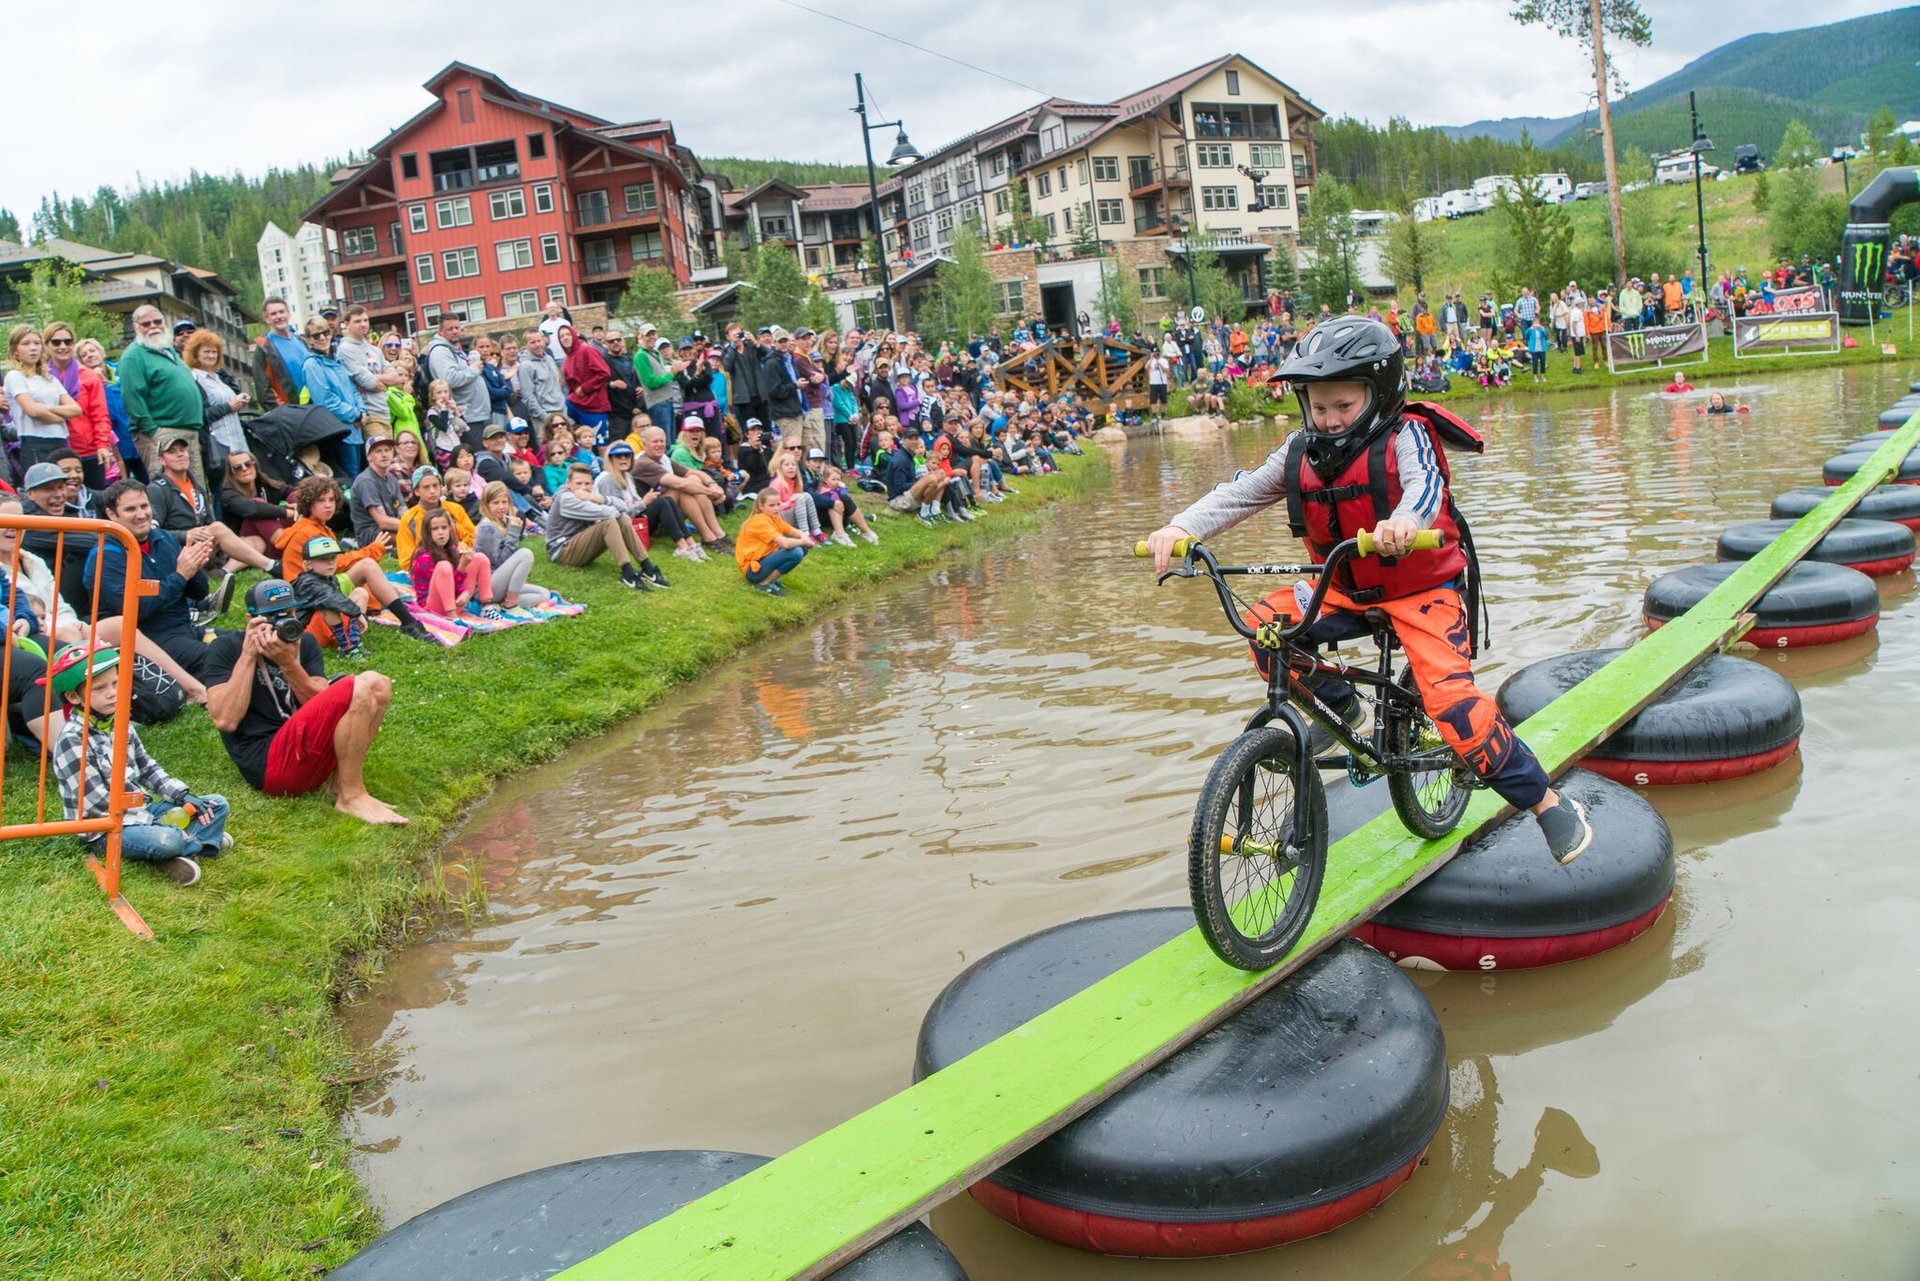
287	729
617	487
316	499
317	589
553	472
448	578
834	481
959	497
790	487
713	461
178	565
83	682
429	496
459	484
580	526
530	492
181	506
768	547
907	489
496	536
691	490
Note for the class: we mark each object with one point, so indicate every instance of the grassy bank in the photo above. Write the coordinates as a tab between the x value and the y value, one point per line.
171	1108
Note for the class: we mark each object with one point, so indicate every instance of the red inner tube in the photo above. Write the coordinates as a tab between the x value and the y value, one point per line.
1674	773
1793	637
1882	567
1467	952
1137	1238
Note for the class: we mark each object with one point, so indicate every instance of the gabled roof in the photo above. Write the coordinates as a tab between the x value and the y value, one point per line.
540	105
918	270
834	197
737	200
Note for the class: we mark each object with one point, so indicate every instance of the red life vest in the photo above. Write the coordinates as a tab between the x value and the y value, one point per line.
1365	493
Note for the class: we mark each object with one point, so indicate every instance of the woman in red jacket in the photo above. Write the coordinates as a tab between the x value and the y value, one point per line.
91	434
586	372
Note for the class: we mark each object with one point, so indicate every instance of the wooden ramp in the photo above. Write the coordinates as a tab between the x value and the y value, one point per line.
827	1200
1106	374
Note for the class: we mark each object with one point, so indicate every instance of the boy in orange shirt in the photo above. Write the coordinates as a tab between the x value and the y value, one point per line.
766	546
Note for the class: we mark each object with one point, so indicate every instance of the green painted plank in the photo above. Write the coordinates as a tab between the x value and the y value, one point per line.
831	1198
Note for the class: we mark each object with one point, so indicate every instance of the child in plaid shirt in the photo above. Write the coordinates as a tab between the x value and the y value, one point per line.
174	827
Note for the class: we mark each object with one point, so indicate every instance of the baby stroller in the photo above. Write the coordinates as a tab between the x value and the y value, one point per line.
280	436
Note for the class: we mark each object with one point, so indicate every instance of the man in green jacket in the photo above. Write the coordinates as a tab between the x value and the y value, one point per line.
159	392
658	387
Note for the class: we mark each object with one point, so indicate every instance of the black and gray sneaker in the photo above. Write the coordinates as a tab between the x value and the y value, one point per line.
631	577
1566	828
652	574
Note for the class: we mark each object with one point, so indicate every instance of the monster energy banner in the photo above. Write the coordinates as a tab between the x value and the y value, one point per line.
1801	333
1863	266
1656	345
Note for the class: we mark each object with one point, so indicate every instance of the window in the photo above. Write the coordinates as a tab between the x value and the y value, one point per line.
593	208
458	263
511	255
423	269
410	165
997	163
1009	297
416	218
1113	212
1233	83
366	288
646	244
1269	155
1069	218
430	315
1053	228
1272	197
1180	156
457	212
359	242
557	293
943	221
941	184
549	249
525	302
922	234
1215	155
511	203
543	197
776	227
642	197
495	162
1044	184
1083	172
1219	197
465	99
1106	169
1062	171
536	146
1153	282
1000	201
468	308
1052	138
601	260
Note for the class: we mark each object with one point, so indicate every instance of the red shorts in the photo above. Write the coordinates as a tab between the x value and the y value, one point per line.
301	758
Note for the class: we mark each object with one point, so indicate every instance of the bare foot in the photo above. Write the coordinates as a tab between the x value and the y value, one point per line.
370	809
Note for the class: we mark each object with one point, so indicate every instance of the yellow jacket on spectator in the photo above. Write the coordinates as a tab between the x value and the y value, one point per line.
406	539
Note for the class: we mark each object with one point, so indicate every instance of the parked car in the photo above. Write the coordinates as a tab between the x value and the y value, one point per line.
1747	159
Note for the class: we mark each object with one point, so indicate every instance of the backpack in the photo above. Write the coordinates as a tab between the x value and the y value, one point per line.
157	696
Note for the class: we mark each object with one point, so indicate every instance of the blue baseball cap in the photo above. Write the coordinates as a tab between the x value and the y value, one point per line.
620	450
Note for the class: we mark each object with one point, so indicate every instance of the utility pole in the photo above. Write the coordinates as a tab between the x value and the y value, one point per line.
1606	147
1699	146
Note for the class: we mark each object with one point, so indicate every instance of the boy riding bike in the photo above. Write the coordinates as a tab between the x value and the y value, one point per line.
1364	458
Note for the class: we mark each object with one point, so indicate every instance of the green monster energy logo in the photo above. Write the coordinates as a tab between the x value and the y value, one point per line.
1636	344
1867	263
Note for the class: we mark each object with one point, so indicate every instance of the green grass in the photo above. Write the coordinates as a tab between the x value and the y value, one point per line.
172	1108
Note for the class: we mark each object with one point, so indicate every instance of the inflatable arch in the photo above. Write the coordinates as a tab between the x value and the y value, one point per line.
1863	247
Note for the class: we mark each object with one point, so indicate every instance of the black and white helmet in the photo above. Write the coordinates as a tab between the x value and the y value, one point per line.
1347	349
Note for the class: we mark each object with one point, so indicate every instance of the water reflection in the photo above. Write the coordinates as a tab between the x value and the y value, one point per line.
719	927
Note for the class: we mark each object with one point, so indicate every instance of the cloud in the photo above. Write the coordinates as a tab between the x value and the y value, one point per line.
249	88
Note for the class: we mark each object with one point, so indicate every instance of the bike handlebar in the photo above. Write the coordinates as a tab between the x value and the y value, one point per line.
1427	540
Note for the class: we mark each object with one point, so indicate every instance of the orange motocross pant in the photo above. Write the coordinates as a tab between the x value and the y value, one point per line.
1432	627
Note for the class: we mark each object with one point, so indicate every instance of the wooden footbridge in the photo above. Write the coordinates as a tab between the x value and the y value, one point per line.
1105	373
832	1198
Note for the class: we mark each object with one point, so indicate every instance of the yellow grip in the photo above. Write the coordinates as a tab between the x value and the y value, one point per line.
1427	540
1179	548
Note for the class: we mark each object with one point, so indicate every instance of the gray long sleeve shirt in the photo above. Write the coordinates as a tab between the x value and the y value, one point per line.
1422	489
540	390
570	515
364	364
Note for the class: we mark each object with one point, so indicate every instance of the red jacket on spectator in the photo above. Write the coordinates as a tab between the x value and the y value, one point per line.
586	373
92	431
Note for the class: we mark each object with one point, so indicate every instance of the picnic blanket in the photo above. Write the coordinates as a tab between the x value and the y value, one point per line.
451	631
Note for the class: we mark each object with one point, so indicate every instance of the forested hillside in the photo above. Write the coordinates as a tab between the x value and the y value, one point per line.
1406	159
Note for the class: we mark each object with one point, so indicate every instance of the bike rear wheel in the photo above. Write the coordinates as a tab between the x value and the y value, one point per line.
1253	886
1429	801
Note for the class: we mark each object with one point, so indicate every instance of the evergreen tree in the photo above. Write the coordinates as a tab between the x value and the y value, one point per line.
818	311
1409	250
1120	296
1023	226
1881	131
1085	243
1326	233
1800	219
57	290
966	284
9	226
1538	241
776	292
1761	192
651	295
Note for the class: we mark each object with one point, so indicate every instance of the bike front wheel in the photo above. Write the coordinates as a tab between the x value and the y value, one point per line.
1429	799
1253	884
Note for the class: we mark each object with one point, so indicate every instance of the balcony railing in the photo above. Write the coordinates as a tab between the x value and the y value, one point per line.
1149	222
383	249
1235	129
1141	175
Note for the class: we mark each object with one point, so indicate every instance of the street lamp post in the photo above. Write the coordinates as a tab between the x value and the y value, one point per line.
1700	145
903	153
1179	225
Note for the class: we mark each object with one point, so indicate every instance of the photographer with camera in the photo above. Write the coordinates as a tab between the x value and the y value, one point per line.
287	729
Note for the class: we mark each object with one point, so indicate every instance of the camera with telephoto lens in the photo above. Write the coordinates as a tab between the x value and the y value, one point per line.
287	627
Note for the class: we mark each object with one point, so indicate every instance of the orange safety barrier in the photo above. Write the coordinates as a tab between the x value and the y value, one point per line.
80	537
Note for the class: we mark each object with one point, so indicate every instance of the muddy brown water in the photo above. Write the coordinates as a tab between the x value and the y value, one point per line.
719	926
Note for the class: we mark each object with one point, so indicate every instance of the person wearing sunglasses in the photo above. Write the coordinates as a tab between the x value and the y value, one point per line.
91	434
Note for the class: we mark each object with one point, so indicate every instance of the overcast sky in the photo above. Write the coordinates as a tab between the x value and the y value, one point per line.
225	86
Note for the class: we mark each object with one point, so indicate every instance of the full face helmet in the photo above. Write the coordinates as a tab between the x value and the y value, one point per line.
1347	349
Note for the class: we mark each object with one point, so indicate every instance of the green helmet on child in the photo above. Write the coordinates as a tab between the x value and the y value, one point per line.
75	664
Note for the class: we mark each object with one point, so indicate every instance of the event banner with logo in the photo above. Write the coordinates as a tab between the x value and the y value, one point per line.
1656	345
1799	298
1798	333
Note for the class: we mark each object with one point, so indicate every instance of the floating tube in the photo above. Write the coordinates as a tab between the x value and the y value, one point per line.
535	1224
1839	470
1876	547
1304	1110
1813	604
1897	503
1867	446
1727	718
1504	904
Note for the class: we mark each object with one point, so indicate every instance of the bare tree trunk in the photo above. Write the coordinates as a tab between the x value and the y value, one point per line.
1606	150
